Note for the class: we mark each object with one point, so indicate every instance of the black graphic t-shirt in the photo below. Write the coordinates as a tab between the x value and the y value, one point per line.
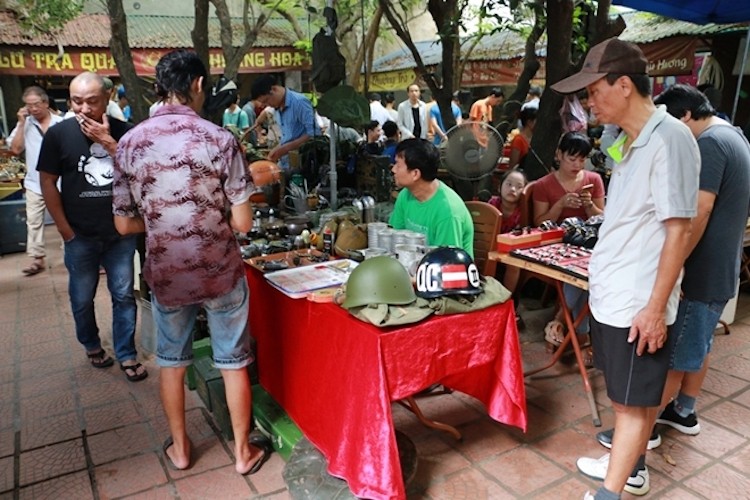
86	171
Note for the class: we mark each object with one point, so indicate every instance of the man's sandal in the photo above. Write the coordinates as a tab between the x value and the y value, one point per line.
100	359
36	267
135	377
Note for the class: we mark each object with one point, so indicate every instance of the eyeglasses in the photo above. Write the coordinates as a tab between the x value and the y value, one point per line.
35	104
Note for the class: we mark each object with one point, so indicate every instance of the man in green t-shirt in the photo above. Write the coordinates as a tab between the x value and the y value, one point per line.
426	204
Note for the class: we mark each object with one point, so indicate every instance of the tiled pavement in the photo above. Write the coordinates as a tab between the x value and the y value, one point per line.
70	431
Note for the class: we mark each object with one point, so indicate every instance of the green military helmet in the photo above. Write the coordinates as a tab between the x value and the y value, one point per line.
380	280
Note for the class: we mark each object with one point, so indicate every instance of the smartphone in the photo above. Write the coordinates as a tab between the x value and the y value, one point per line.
587	187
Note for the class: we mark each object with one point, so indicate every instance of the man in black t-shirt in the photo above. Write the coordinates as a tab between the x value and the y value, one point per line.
79	151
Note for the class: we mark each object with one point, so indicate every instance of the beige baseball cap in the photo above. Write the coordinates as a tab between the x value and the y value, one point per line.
610	56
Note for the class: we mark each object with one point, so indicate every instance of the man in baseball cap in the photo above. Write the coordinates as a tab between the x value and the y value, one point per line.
634	293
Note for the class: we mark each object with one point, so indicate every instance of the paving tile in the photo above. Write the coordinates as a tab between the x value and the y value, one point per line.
467	484
52	461
54	347
743	398
540	423
6	473
687	460
740	460
523	471
216	484
125	441
269	478
485	438
436	459
567	404
730	415
47	404
568	445
713	440
112	416
719	482
736	366
44	365
678	493
571	488
722	383
7	440
77	486
44	430
49	383
164	492
130	475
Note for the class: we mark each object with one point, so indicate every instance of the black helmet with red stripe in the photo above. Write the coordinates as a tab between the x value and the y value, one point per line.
447	271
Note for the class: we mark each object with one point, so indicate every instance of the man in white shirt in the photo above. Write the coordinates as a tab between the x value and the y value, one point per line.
34	118
377	110
635	270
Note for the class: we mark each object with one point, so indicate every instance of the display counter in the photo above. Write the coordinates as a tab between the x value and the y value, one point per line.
337	376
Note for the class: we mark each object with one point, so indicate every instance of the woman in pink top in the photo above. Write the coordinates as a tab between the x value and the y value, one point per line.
569	191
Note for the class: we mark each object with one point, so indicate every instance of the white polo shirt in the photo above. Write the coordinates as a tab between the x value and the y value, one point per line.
655	180
33	136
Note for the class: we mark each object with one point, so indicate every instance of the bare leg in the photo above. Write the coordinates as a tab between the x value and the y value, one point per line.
633	426
671	386
173	401
239	400
693	381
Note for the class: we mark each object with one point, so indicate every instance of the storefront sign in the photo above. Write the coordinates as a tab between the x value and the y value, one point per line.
670	56
46	61
476	74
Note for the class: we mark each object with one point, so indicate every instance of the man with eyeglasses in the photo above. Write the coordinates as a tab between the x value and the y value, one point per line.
34	118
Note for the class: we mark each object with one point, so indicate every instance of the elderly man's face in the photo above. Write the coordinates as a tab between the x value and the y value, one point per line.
609	102
36	105
88	97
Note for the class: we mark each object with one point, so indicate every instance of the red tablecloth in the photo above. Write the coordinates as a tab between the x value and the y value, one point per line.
336	376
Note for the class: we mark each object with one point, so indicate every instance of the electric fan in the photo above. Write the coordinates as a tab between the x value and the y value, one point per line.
470	155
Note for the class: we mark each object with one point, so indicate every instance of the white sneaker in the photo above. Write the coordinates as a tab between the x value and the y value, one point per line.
588	496
596	468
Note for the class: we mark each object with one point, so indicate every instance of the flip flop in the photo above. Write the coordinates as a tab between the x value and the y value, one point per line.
100	359
135	377
167	443
264	444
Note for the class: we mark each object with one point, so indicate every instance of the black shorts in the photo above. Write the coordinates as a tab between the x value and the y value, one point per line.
631	380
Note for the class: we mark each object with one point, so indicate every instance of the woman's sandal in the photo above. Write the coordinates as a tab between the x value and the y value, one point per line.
554	334
99	359
135	377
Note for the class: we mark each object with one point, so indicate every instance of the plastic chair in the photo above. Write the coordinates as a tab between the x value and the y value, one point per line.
487	221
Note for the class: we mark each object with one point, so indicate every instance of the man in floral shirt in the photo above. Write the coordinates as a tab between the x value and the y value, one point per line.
175	176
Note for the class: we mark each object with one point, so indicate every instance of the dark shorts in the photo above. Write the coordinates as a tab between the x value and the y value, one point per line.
631	380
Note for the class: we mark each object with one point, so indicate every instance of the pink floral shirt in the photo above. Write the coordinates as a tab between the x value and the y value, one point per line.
181	173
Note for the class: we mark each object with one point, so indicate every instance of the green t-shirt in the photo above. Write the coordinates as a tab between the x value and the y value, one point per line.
444	218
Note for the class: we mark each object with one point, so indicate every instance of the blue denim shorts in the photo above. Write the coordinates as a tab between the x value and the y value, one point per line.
694	328
227	322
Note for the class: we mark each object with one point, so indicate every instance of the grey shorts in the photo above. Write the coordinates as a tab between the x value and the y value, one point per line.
631	380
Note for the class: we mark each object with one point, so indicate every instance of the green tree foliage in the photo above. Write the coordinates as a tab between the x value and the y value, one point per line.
45	16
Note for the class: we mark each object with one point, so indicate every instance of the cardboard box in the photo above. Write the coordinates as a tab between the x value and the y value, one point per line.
508	242
272	420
